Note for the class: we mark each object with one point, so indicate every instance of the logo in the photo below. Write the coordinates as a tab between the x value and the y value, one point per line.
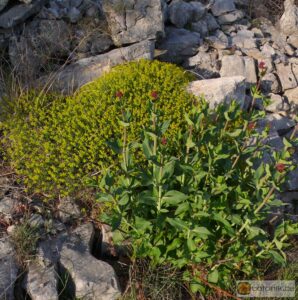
243	288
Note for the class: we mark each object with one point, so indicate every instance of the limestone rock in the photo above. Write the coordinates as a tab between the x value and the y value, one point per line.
180	44
68	210
270	84
286	76
8	269
205	63
135	20
289	20
293	40
222	6
90	278
88	69
278	104
19	13
292	97
231	17
7	205
220	90
41	282
234	65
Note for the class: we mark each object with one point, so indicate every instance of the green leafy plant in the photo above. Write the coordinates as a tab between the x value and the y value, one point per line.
58	142
203	211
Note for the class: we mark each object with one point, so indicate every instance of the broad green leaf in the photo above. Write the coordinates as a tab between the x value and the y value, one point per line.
201	230
177	223
174	197
277	257
142	224
183	207
213	276
191	245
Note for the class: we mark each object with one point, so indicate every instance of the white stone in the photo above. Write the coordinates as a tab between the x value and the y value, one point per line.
234	65
220	90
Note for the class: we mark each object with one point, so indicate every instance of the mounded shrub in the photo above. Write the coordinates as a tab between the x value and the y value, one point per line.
58	142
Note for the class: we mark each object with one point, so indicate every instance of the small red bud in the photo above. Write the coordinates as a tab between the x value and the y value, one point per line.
251	126
164	141
119	94
154	95
280	167
262	65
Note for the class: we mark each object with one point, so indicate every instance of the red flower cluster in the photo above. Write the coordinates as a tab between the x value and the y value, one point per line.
251	126
280	167
119	94
262	65
154	95
164	141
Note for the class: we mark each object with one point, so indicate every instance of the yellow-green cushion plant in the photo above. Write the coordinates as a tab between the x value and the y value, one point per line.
56	144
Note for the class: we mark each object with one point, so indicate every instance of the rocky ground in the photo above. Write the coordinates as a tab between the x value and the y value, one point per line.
64	44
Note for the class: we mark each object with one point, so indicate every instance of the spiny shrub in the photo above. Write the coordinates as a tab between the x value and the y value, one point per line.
57	143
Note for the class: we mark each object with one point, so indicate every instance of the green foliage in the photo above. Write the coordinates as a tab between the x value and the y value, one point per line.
204	210
57	143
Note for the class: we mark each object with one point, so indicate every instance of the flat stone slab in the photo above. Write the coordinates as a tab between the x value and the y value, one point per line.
220	90
86	70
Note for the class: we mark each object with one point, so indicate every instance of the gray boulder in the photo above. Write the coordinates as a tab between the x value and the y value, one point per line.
180	44
198	10
234	65
221	7
220	90
8	269
134	21
88	69
289	20
180	13
19	13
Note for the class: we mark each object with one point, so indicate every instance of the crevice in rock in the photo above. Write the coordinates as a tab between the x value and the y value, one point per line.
19	292
66	286
96	244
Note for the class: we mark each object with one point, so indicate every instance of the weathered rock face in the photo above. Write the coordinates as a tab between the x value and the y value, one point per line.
88	69
41	282
135	20
220	90
90	278
221	7
8	269
19	13
289	20
179	44
234	65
